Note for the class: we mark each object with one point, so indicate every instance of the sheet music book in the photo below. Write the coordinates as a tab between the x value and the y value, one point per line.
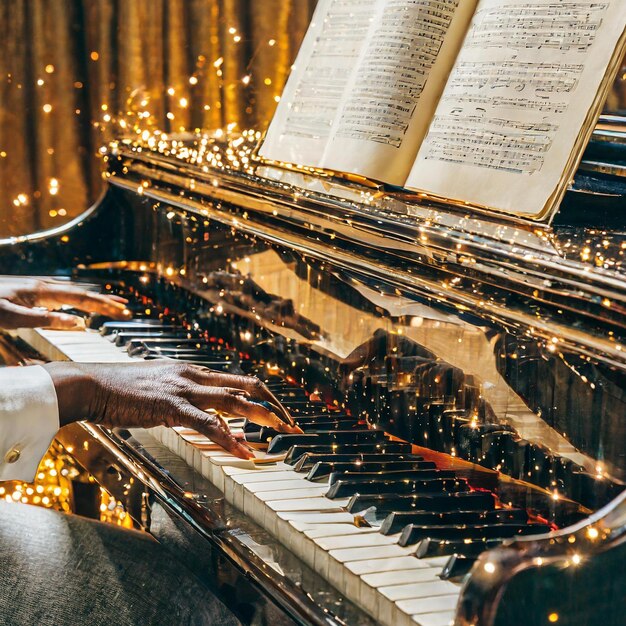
485	102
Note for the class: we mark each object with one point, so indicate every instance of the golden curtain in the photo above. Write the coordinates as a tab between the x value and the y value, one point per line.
76	73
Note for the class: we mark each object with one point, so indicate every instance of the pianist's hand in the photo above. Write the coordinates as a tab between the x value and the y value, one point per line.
156	393
30	303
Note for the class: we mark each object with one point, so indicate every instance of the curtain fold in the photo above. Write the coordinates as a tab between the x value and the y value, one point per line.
77	73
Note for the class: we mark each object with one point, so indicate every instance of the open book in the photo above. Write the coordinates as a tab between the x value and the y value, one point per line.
484	102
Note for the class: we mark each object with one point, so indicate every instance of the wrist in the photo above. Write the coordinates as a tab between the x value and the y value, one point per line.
75	387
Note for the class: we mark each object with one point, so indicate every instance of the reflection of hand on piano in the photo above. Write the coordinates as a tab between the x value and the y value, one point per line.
21	299
156	393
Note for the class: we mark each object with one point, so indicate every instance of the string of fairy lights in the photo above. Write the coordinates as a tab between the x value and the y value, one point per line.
54	486
136	115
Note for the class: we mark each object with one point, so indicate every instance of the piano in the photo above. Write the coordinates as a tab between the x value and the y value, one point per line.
460	379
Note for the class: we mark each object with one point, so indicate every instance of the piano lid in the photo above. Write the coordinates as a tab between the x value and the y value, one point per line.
564	286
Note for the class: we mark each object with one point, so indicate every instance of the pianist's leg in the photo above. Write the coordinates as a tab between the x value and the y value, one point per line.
63	570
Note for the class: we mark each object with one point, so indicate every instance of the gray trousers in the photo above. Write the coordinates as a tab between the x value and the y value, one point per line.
64	570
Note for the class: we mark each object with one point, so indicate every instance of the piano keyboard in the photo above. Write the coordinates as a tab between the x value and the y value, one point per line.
317	492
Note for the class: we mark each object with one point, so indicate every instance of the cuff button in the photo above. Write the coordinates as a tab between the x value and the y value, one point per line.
13	455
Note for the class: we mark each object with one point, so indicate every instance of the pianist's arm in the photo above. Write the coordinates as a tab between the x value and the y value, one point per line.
31	303
35	401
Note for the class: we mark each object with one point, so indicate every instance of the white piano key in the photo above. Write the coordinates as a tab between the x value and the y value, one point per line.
436	561
313	531
286	486
375	566
444	618
327	517
371	552
261	475
417	606
233	461
426	589
398	577
190	453
208	468
382	606
252	498
355	540
233	470
306	504
371	569
299	492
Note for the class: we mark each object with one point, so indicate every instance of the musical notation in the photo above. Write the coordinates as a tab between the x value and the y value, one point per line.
505	103
540	78
562	26
318	94
520	152
394	70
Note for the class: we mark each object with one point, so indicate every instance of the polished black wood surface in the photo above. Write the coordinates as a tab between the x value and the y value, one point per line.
485	340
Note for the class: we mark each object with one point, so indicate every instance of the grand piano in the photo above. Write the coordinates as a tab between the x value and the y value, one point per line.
460	378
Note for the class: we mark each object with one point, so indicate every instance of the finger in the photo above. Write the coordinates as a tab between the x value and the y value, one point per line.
112	296
16	316
54	296
252	385
237	403
213	427
259	412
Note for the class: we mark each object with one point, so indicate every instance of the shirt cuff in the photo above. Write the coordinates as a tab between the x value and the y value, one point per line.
29	420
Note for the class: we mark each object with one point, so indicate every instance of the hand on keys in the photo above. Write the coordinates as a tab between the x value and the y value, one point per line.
156	393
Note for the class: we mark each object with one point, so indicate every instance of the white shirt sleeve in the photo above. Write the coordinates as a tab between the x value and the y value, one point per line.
29	419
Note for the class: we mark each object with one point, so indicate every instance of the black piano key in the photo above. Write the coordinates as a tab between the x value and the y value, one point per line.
325	469
184	343
192	355
143	345
395	522
384	447
326	426
413	533
284	441
309	460
291	393
429	548
390	475
307	408
347	488
264	434
442	502
457	567
181	354
275	383
139	325
231	367
331	416
261	436
121	339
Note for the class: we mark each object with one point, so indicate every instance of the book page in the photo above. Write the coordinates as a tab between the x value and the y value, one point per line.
308	106
531	74
385	93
